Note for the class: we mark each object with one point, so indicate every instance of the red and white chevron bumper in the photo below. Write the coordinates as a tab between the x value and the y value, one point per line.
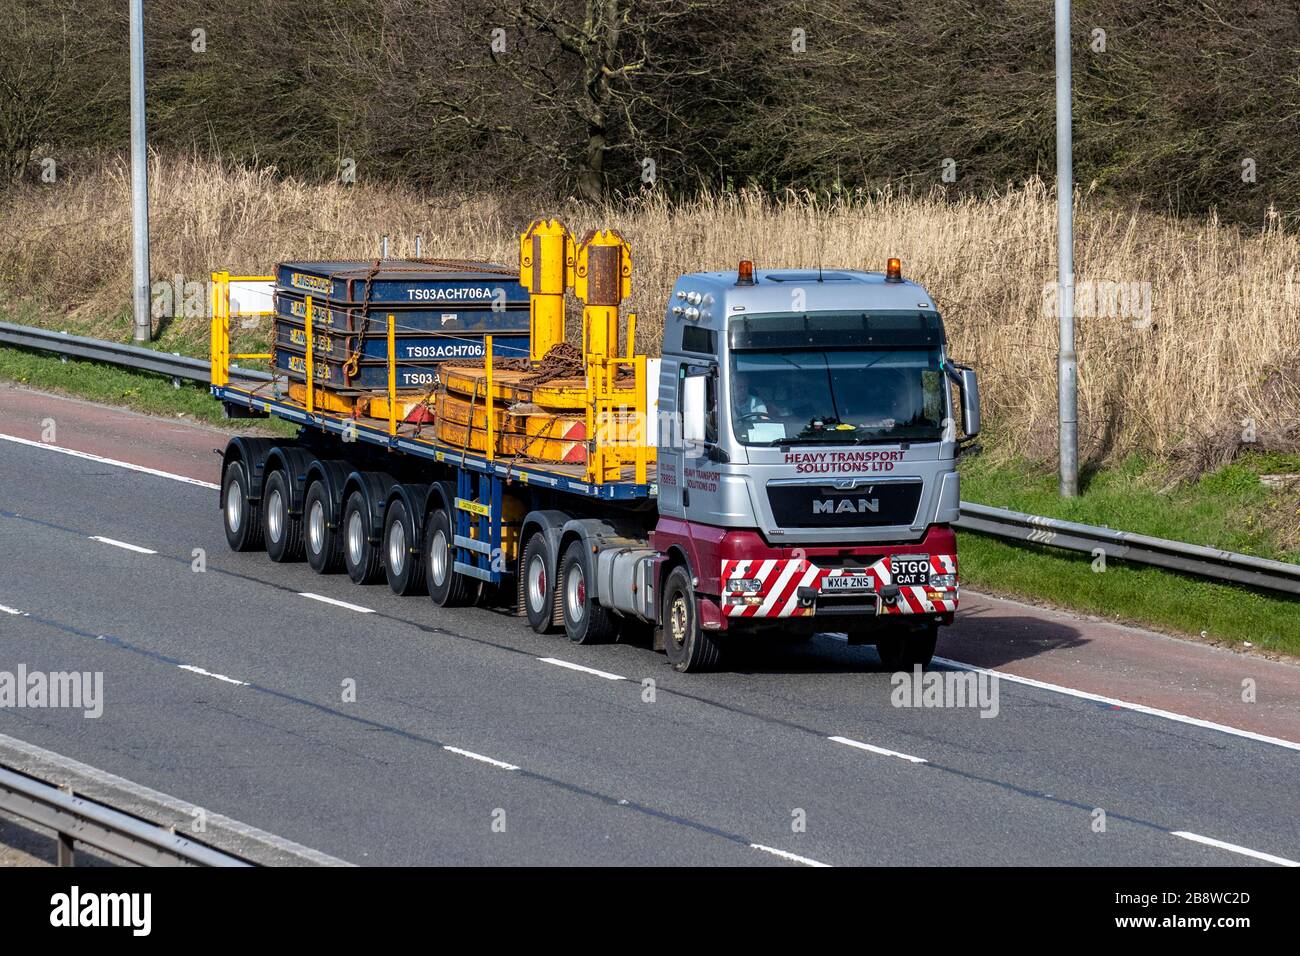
767	588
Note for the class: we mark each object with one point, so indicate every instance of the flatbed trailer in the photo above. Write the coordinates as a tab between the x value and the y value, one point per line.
769	525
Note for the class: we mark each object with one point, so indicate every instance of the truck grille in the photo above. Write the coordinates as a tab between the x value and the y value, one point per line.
820	506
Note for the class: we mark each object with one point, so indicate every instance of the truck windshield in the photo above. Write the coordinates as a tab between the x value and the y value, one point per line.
850	396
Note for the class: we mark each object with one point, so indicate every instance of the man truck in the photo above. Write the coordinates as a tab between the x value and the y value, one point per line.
786	466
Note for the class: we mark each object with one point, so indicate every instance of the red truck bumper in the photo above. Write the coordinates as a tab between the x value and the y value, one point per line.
752	580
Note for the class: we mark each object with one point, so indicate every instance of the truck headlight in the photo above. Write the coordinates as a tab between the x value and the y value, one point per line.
744	584
943	580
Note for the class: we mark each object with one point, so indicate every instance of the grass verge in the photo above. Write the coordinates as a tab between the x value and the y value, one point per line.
110	385
1229	508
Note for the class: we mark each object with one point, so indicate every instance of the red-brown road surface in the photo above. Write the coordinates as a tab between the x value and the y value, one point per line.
1111	660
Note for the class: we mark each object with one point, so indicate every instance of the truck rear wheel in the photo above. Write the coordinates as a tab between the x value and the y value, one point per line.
283	530
585	620
447	588
902	649
688	647
359	556
402	564
242	518
324	544
535	585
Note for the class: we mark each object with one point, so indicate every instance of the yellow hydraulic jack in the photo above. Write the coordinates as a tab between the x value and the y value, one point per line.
546	263
602	280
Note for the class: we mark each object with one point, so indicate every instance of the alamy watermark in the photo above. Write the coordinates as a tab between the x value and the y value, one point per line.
77	690
919	688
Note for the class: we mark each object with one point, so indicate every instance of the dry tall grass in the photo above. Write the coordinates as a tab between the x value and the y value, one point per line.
1215	364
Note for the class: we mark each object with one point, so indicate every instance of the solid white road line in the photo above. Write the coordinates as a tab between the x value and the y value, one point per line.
473	756
792	857
850	742
199	670
109	461
122	544
1233	848
5	609
329	600
578	667
1127	705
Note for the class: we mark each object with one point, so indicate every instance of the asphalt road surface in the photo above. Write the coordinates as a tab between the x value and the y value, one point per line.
471	740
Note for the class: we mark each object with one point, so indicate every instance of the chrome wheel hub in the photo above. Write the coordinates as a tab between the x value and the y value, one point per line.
275	515
234	506
396	547
438	557
356	539
316	527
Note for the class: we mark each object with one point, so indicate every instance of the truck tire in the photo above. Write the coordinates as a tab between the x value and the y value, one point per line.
403	567
538	592
585	620
283	530
446	587
688	647
360	557
242	518
324	545
901	649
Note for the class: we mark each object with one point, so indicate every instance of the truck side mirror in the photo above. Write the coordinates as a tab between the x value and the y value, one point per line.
693	408
970	401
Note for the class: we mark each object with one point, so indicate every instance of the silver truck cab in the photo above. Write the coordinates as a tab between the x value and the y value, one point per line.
812	406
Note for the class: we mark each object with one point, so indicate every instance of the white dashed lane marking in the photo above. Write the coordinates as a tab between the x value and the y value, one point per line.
221	677
850	742
579	667
1233	848
122	544
786	855
501	764
337	603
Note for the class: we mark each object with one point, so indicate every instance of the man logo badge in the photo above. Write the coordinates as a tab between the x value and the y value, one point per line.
829	506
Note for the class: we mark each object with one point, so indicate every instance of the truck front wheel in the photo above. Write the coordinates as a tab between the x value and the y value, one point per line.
902	649
688	647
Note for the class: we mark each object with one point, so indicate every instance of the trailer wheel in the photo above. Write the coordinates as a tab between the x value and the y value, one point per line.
538	591
585	620
402	566
902	649
360	557
242	518
283	530
447	588
324	545
688	647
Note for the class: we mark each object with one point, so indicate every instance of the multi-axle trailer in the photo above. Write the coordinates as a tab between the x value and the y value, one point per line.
787	465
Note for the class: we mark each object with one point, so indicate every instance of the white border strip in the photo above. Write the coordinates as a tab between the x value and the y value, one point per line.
337	603
850	742
578	667
786	855
109	461
479	757
1127	705
122	544
1233	848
